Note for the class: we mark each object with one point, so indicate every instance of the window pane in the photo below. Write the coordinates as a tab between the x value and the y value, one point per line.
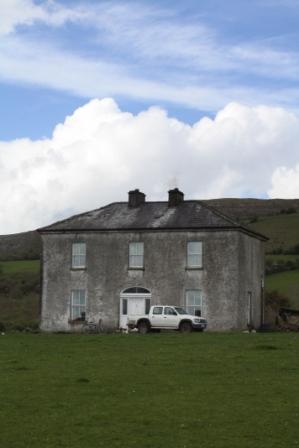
194	301
194	247
136	261
194	260
194	254
169	311
78	304
78	255
125	306
147	305
136	255
158	310
78	248
76	313
136	248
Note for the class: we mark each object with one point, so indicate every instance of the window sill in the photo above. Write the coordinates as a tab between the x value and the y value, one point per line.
78	269
76	321
136	269
193	268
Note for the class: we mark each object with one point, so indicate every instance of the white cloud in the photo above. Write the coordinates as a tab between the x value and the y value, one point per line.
135	50
100	152
285	183
26	12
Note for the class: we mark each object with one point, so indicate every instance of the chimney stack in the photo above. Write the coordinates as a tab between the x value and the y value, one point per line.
136	198
175	197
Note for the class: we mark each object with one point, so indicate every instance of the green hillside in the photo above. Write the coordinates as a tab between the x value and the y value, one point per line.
19	294
282	231
287	283
20	246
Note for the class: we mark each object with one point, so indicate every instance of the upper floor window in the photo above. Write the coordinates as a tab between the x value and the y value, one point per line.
136	252
78	304
194	254
79	255
194	302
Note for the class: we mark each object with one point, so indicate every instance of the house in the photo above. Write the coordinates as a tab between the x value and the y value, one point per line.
117	260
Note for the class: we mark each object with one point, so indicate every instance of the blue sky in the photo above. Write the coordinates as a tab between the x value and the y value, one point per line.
226	72
191	57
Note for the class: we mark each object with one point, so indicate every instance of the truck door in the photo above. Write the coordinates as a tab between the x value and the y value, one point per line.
157	316
170	317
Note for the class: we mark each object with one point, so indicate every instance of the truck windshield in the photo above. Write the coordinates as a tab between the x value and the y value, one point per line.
180	310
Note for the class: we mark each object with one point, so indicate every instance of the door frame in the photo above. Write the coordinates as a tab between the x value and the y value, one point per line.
128	296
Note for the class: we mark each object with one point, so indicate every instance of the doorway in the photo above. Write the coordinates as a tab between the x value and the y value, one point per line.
134	302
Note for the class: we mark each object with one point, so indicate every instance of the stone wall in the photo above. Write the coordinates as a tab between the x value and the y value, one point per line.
232	266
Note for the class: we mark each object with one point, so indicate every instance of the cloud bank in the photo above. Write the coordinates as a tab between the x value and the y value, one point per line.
99	153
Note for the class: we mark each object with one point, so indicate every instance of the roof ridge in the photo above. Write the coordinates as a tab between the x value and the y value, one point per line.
76	216
232	221
220	214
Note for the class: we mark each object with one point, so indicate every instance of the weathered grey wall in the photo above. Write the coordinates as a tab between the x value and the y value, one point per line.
232	266
251	277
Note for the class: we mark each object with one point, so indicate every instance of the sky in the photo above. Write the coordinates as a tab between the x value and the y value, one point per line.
101	97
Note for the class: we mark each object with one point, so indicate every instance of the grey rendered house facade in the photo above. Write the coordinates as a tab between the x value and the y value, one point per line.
104	265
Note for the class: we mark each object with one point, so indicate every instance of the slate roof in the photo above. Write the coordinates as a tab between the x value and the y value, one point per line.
191	214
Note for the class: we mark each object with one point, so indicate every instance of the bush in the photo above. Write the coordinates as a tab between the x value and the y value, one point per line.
288	211
30	326
276	300
293	250
277	251
274	267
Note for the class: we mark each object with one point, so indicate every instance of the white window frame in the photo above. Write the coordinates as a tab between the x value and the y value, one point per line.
193	301
136	255
78	303
79	255
194	254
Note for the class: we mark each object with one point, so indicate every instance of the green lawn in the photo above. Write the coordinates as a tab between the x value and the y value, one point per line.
164	390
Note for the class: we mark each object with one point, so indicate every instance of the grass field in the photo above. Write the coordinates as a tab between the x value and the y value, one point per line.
166	390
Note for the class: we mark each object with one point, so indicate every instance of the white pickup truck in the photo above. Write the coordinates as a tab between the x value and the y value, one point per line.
166	317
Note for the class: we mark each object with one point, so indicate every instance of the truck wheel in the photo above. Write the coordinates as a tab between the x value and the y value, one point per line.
143	327
185	327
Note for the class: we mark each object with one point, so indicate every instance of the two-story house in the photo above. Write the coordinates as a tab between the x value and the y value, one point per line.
118	260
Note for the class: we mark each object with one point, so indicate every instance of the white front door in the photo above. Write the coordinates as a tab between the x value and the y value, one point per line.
132	306
136	307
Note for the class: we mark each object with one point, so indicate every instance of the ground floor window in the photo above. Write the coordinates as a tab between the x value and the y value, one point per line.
78	304
194	302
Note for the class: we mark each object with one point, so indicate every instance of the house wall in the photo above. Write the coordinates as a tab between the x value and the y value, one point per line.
251	280
232	266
